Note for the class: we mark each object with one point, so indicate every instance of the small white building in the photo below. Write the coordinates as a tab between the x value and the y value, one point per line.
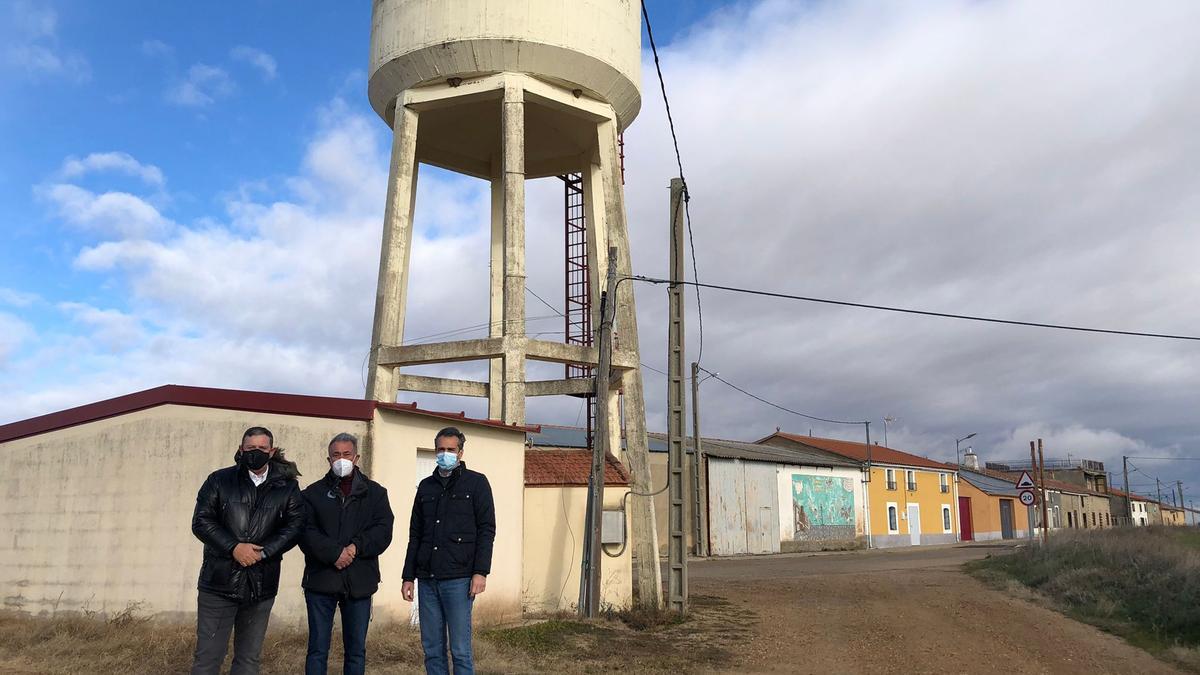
97	513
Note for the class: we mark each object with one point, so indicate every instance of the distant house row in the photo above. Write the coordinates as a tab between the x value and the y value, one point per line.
789	492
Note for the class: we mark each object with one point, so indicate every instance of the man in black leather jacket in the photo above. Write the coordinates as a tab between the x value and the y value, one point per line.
349	526
248	515
451	535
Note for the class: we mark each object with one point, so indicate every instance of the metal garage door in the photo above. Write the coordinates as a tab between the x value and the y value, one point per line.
743	507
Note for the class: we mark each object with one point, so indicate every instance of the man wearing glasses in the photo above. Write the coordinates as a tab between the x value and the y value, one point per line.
451	533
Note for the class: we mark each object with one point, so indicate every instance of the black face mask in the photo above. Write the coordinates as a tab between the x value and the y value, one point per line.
255	459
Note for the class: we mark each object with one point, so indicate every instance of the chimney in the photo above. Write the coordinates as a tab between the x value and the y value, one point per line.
970	459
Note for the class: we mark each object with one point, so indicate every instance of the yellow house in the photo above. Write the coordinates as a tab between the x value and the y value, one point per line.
910	499
556	481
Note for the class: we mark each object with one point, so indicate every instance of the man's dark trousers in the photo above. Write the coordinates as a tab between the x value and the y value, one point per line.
216	617
356	617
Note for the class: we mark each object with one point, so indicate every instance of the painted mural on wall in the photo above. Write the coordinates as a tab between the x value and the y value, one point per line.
822	507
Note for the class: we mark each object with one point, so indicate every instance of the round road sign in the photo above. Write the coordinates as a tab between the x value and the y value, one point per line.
1027	497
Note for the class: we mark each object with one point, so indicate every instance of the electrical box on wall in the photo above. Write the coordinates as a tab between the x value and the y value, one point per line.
612	529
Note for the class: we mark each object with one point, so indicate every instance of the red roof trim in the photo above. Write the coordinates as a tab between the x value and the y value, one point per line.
226	399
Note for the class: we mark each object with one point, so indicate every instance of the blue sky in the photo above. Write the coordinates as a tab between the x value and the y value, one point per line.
192	194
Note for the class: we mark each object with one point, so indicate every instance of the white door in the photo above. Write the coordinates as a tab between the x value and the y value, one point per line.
426	462
914	524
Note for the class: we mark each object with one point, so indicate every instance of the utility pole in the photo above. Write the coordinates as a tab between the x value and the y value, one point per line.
1179	485
1158	488
589	596
699	498
676	404
1128	506
1033	467
1042	483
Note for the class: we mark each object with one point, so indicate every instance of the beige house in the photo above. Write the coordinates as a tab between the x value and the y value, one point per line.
98	514
556	482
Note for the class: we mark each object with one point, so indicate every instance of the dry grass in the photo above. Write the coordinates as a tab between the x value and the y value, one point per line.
1140	583
129	642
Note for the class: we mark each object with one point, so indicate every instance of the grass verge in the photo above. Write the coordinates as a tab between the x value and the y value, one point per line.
1142	584
130	642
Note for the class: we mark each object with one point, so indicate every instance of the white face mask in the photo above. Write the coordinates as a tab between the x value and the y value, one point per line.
343	467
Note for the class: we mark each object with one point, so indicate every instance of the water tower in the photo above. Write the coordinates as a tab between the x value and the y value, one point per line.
509	90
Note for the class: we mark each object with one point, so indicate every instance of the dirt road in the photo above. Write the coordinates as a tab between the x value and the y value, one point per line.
910	611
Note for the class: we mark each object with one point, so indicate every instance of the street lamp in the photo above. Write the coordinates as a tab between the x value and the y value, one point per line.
957	457
886	421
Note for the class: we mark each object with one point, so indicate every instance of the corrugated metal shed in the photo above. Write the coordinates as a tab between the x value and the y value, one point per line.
717	447
576	437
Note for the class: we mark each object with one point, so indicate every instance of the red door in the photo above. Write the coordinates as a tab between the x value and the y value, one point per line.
964	519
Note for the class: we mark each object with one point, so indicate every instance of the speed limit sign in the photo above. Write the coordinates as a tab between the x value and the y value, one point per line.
1027	497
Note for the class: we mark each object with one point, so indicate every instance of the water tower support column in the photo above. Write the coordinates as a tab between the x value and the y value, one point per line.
637	454
513	159
391	293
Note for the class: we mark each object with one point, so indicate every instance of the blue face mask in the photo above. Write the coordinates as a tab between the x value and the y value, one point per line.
447	460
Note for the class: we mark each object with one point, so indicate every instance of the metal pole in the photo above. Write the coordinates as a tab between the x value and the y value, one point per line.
676	404
601	449
1128	506
1179	484
699	500
1042	483
1033	466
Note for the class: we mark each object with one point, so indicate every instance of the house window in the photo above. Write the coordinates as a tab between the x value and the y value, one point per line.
946	524
891	479
945	482
911	477
893	519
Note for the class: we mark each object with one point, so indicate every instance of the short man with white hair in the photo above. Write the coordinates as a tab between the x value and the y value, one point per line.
349	526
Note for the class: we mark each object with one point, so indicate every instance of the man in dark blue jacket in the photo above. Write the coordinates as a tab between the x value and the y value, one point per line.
451	533
248	515
349	526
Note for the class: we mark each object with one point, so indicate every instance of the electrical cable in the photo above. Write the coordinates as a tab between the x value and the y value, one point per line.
776	405
921	312
687	197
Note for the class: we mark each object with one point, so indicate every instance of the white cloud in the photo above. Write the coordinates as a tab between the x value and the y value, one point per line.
15	298
203	86
74	167
108	213
261	60
13	333
33	45
112	329
157	49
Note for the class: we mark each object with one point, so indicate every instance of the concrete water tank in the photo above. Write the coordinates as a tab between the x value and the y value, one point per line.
590	45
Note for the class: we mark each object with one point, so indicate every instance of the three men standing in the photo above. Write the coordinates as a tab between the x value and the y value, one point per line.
451	533
349	526
248	515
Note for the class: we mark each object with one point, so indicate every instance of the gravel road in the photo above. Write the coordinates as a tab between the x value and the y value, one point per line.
901	611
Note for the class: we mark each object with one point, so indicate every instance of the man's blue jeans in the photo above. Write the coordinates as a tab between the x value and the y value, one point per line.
356	617
445	607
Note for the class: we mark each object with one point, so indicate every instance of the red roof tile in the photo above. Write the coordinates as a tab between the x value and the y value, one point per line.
227	399
556	467
880	454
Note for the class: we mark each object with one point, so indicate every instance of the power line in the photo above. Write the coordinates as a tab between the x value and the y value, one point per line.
921	312
687	197
552	307
773	404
